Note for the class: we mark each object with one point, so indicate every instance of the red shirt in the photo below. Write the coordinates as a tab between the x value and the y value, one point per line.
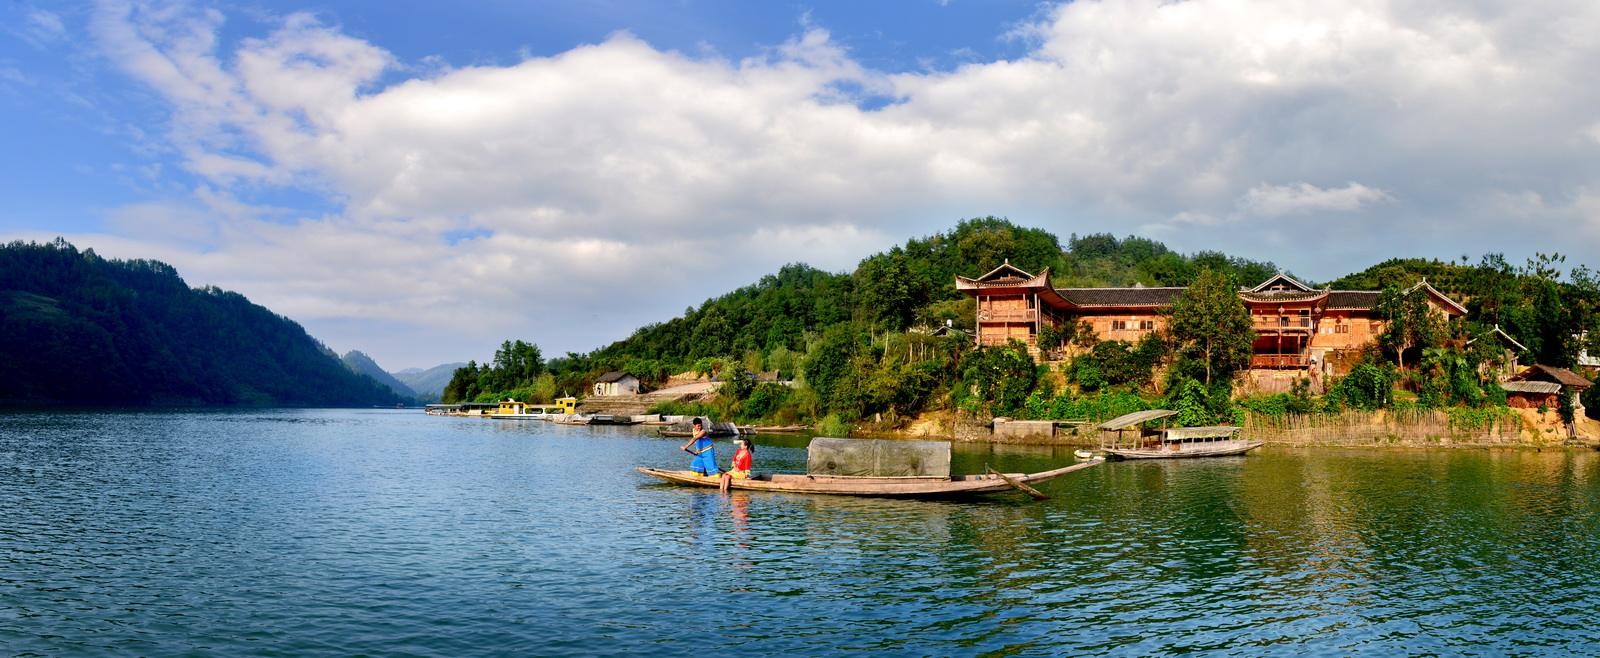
741	460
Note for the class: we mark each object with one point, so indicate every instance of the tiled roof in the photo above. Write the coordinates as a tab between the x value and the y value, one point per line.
1281	296
1531	387
1354	299
1281	279
1561	376
1120	296
613	376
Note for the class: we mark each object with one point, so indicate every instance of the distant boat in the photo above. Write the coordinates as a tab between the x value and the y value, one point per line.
1170	443
773	429
713	429
572	419
510	409
611	419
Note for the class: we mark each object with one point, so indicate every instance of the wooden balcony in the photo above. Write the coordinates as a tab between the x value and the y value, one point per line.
1008	315
1279	361
1275	324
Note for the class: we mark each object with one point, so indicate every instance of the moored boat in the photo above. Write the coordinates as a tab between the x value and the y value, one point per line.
1170	443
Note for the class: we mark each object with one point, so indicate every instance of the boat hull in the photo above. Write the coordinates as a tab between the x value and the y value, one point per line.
889	487
1189	452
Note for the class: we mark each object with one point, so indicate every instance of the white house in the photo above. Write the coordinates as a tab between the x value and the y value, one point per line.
616	383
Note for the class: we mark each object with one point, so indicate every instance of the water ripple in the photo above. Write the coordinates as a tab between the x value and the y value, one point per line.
294	533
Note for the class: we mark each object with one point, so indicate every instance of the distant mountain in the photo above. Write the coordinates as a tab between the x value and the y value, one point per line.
358	362
76	328
428	384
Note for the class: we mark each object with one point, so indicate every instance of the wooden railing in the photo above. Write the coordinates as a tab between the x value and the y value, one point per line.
1279	361
1008	315
1275	323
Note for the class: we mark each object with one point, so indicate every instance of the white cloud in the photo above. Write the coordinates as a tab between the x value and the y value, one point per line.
1278	200
603	166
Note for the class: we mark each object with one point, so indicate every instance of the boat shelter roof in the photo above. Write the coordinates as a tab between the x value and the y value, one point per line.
1136	418
1211	432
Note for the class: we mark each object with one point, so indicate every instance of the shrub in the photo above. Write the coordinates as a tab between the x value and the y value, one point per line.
1368	387
832	425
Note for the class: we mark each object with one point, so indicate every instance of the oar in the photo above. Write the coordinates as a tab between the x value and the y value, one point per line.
1018	485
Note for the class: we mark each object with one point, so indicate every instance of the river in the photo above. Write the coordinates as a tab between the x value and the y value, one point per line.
340	532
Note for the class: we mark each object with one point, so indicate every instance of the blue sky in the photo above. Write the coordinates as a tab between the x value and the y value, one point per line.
422	181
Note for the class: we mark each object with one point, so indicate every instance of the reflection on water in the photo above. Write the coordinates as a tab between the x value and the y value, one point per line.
341	532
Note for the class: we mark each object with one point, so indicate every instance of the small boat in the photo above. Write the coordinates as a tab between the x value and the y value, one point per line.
572	419
922	478
1171	443
1083	454
774	429
610	419
686	430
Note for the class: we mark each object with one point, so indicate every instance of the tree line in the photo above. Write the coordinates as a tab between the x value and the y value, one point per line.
860	345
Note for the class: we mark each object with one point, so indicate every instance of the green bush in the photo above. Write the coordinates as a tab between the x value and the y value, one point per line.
1368	387
833	425
766	399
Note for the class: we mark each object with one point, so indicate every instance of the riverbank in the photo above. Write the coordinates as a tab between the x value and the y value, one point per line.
1404	428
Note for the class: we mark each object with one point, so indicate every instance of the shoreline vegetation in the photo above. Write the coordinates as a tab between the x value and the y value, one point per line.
886	347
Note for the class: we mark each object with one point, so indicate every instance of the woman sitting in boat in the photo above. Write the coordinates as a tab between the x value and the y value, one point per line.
704	451
741	463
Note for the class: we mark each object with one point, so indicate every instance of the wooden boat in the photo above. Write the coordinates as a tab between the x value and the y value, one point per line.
610	419
1171	443
686	430
774	429
572	418
892	487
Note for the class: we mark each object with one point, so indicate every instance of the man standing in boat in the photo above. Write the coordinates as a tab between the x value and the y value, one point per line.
703	449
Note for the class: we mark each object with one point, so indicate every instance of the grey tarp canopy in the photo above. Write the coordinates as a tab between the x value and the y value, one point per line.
878	458
1135	419
1212	432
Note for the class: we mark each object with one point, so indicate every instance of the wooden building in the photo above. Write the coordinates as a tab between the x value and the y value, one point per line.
1541	386
1297	327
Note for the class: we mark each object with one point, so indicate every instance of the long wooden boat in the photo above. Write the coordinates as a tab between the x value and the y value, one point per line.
774	429
894	487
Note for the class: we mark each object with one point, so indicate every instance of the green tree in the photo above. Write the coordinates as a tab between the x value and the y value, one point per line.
1211	323
1409	322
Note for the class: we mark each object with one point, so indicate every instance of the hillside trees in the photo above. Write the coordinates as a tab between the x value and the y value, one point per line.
86	329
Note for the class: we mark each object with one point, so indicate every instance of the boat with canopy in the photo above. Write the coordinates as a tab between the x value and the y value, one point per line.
1126	437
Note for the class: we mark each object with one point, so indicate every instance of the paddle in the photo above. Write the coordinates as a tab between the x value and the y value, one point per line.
1017	484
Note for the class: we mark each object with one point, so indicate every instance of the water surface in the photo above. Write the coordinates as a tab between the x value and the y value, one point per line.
294	533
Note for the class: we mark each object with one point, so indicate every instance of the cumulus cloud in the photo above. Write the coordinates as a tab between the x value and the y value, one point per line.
646	178
1301	198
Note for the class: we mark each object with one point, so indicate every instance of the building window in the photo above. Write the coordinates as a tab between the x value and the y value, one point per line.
1119	325
1341	328
1147	325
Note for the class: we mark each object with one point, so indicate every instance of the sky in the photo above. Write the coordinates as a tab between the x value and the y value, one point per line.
421	181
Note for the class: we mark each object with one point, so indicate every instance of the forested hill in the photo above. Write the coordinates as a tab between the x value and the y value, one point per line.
76	328
907	286
773	324
358	362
